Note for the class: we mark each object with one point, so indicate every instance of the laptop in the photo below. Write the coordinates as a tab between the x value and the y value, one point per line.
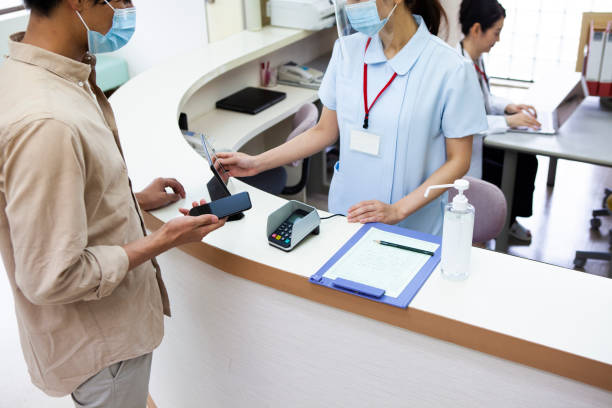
552	121
251	100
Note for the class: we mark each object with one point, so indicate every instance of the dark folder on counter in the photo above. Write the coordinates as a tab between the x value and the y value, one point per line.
251	100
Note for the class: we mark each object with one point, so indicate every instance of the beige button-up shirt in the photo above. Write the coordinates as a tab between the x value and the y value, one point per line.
66	208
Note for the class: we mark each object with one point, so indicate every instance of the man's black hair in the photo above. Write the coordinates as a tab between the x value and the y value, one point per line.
45	7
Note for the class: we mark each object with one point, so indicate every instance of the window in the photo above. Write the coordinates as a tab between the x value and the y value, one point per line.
539	36
7	6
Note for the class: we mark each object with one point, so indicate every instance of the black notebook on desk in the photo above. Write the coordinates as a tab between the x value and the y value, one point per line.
251	100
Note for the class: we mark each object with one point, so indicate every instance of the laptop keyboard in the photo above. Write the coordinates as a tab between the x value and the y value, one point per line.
546	119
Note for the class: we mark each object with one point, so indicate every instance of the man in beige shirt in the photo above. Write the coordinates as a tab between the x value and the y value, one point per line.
89	296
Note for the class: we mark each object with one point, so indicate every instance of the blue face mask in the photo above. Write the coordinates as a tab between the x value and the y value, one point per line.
364	17
124	25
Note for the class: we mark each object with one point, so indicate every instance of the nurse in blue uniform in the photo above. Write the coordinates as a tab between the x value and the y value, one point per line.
405	106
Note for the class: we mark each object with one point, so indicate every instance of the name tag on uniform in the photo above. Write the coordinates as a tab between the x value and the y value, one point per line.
365	142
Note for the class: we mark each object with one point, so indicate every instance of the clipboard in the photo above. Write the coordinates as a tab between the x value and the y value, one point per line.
373	293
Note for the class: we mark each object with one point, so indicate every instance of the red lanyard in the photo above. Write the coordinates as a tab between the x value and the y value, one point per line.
365	90
484	76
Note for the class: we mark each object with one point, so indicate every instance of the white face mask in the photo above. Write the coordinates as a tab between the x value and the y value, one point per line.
364	17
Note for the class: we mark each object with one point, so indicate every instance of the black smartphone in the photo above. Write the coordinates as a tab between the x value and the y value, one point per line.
224	207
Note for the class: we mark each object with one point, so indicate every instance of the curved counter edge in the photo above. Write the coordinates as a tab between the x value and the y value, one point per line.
150	136
507	347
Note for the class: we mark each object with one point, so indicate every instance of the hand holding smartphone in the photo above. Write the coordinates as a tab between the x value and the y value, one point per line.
224	207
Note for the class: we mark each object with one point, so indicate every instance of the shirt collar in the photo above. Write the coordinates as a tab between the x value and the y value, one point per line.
64	67
404	60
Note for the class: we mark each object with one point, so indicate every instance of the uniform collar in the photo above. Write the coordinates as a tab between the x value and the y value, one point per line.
408	55
64	67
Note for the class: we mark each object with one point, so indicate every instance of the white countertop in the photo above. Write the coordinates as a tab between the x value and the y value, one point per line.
540	303
230	131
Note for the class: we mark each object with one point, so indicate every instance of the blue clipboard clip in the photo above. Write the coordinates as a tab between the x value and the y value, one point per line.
359	288
370	292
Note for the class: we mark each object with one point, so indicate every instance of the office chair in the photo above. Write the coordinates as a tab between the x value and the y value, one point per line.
274	180
490	205
582	256
604	211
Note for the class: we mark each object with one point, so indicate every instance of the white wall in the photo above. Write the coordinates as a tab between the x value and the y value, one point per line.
9	24
163	30
225	18
452	32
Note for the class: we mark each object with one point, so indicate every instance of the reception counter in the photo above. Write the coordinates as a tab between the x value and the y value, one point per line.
248	328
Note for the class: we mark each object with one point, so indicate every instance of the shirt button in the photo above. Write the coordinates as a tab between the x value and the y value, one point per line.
80	83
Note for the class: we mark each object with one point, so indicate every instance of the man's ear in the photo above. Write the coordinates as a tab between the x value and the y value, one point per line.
77	5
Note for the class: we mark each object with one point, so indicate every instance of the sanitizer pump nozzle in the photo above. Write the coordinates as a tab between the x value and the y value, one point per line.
457	232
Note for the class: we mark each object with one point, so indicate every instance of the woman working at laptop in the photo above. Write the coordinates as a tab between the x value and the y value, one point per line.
481	23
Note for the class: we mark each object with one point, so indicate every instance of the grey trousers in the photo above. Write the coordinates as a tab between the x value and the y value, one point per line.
121	385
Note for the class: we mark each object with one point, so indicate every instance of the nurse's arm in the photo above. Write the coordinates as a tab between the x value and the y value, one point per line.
458	155
323	134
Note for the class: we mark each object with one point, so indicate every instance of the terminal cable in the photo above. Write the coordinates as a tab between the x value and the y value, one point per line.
332	216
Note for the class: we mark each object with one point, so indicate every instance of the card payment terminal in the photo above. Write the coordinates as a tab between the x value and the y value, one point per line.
291	223
282	235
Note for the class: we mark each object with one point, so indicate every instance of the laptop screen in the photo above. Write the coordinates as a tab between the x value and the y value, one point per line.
570	103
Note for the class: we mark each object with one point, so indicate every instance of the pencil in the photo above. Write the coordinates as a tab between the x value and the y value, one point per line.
407	248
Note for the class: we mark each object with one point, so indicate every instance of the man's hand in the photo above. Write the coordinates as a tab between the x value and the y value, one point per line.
155	196
177	231
374	211
183	230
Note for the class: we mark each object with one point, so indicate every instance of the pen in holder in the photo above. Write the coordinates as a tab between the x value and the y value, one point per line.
267	75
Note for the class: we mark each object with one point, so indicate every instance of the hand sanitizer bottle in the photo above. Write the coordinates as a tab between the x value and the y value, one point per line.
457	233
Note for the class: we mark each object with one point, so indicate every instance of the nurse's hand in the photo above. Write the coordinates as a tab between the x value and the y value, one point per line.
522	119
374	211
512	108
238	164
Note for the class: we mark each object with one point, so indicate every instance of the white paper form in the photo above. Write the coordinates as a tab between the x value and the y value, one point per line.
380	266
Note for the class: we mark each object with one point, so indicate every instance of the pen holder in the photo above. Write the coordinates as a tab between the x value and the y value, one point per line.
268	75
272	77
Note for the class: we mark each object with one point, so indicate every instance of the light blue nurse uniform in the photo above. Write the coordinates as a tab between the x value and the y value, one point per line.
435	96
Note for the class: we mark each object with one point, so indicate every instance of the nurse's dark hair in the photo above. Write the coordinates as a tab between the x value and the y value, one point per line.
485	12
431	11
45	7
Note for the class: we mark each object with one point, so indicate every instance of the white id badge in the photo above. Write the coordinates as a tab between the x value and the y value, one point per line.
365	142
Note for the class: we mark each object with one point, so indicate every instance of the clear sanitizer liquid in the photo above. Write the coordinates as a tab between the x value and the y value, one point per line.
457	232
457	241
